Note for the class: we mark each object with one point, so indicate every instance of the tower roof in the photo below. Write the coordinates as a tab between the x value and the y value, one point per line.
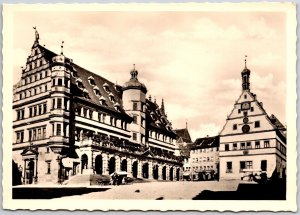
134	83
246	70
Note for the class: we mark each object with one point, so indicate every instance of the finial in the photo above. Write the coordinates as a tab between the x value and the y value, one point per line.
150	98
154	99
134	73
37	36
246	61
62	48
186	124
162	105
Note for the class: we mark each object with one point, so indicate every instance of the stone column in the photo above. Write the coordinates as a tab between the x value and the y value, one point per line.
167	173
118	163
140	170
129	167
24	178
105	164
150	170
160	172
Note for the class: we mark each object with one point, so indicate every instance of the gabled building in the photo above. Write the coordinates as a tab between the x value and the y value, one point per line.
251	140
69	121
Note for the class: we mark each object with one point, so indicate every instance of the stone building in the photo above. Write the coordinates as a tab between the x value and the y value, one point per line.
70	122
251	140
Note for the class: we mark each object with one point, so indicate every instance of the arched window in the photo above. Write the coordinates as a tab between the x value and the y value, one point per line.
91	80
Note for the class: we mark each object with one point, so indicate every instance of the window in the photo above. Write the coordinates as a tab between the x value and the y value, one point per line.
58	129
267	144
34	135
135	105
30	135
91	114
252	109
40	109
134	136
46	88
48	167
263	165
257	124
242	145
53	103
44	108
249	145
59	103
59	82
20	136
239	110
257	144
226	147
245	165
229	167
44	133
234	126
135	119
34	111
234	146
245	96
39	134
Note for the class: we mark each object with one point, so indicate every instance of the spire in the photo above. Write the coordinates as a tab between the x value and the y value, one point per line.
37	36
186	124
162	105
245	61
134	73
154	100
62	48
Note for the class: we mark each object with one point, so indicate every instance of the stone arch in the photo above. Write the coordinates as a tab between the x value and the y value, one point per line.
124	165
30	171
145	170
112	165
164	173
171	173
98	165
135	169
155	171
84	161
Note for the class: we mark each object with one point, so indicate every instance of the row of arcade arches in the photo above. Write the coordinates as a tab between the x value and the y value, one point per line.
123	167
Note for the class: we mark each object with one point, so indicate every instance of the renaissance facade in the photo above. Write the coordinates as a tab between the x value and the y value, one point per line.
251	140
70	122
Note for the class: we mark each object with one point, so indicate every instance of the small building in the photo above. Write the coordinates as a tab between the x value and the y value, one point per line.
204	158
251	141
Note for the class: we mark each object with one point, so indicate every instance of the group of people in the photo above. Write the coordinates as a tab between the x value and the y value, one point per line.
117	179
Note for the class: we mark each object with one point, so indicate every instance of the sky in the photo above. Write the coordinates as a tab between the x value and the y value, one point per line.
193	60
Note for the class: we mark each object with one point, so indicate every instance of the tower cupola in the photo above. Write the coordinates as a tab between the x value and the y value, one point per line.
134	83
246	76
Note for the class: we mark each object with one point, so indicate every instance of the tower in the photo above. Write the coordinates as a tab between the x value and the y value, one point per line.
246	76
134	103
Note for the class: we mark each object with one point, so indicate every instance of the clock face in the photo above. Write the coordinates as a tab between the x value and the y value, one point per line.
245	106
246	120
245	128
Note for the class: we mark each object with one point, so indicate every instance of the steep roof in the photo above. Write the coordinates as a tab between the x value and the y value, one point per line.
183	135
206	142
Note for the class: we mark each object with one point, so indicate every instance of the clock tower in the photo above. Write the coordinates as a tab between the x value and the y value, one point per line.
246	77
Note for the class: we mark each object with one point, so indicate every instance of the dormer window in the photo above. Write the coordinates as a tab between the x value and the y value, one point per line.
106	87
79	83
96	91
117	106
85	93
111	97
91	80
102	100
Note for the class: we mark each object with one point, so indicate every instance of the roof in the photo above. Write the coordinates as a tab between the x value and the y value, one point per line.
156	119
206	142
183	135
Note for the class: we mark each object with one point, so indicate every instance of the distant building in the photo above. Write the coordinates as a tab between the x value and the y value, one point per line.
183	139
70	122
251	140
204	158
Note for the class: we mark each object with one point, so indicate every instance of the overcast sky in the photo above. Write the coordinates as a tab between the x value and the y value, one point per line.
191	59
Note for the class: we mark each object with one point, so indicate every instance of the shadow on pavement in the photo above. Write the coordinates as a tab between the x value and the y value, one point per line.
50	193
273	191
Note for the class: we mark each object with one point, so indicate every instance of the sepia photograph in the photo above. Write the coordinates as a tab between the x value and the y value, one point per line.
183	102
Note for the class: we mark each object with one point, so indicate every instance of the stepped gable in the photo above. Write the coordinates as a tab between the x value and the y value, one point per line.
156	120
206	142
83	75
183	135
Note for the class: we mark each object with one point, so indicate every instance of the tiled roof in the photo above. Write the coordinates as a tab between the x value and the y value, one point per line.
206	142
183	135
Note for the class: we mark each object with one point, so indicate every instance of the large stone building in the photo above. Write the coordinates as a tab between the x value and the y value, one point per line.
251	140
69	121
